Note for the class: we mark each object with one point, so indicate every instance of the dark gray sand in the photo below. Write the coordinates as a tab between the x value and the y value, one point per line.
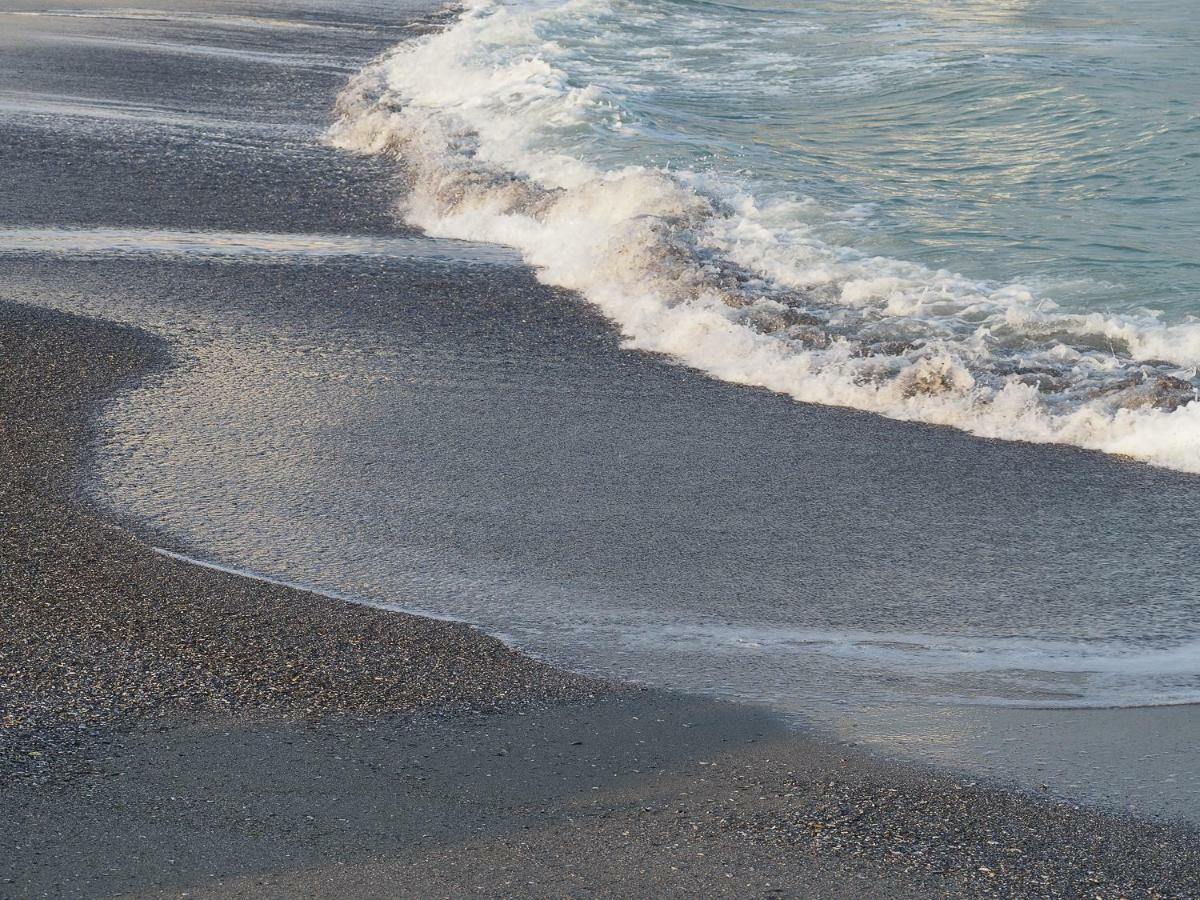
169	729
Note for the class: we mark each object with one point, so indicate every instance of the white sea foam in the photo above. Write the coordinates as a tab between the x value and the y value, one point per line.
489	119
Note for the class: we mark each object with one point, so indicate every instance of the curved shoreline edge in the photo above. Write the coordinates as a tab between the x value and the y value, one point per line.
164	741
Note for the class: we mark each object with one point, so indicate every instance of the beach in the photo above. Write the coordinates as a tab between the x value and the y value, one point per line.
218	340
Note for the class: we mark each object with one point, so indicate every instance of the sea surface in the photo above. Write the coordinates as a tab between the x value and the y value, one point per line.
978	214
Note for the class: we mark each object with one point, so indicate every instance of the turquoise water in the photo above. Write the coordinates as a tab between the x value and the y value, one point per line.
979	215
1053	143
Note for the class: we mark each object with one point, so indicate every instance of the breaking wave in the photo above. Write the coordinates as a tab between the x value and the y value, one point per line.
505	141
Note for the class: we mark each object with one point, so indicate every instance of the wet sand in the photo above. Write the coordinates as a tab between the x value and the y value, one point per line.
170	728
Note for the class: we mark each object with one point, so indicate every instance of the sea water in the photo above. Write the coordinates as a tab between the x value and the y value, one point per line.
975	213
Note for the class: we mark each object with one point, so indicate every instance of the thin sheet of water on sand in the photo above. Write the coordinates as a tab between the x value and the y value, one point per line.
116	242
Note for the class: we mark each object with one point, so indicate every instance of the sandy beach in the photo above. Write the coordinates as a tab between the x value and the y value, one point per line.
171	729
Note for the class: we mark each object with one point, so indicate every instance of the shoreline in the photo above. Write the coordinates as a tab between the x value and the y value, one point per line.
172	727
